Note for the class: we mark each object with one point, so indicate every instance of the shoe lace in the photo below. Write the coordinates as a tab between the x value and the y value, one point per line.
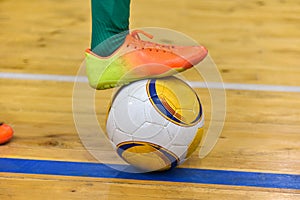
142	44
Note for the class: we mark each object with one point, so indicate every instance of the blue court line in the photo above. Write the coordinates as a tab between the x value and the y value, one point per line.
185	175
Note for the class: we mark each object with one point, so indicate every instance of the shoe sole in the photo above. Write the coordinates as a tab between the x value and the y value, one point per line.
119	83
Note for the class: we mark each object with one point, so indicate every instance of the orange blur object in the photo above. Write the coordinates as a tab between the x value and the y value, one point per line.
6	133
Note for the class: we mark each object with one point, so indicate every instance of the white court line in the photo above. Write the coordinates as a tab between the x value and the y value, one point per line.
228	86
42	77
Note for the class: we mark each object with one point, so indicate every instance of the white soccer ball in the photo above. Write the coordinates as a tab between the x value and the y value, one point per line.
155	124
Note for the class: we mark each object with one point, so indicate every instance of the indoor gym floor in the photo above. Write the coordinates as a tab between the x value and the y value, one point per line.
254	43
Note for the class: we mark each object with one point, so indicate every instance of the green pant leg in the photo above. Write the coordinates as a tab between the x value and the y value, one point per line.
110	25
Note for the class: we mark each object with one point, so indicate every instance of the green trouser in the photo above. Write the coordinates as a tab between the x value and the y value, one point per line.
110	25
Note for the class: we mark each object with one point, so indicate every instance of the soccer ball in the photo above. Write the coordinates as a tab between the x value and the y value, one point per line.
155	124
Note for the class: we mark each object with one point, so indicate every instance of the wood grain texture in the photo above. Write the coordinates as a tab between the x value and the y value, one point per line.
250	42
83	188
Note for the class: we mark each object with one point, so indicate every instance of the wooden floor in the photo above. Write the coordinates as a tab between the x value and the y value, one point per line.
251	42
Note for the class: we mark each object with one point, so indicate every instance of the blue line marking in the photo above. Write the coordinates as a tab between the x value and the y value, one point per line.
201	176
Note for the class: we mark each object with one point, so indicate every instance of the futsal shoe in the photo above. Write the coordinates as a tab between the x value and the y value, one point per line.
6	133
138	59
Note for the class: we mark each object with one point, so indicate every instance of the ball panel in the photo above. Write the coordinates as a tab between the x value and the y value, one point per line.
147	130
175	100
110	124
173	130
147	156
156	124
179	151
153	116
139	91
120	136
136	112
158	104
161	138
195	143
185	136
120	95
125	115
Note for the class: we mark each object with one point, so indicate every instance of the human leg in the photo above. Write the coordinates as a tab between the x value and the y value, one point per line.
110	25
119	56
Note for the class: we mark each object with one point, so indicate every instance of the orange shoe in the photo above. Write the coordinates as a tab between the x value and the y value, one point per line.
137	59
6	133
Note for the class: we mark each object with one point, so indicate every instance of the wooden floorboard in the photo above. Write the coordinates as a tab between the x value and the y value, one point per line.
250	42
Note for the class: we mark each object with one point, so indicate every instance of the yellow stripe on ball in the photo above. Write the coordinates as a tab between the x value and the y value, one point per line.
195	143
